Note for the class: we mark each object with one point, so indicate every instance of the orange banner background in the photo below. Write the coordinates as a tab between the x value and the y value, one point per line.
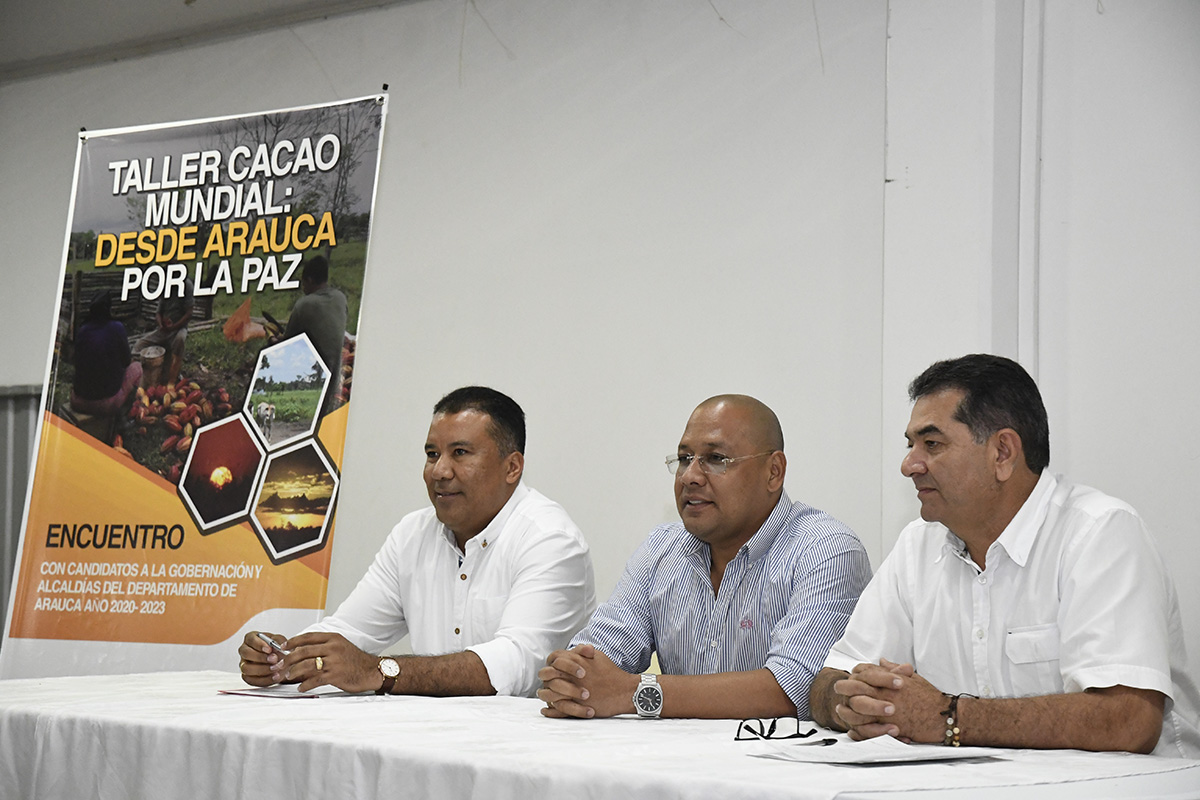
93	484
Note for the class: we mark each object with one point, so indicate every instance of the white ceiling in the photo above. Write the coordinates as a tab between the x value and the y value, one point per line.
44	36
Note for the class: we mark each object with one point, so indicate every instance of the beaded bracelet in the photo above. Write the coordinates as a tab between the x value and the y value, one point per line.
951	714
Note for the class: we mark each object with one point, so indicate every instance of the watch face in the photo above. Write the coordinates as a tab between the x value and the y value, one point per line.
389	667
649	699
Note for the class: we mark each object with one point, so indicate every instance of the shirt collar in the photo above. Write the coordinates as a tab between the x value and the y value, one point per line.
762	540
1021	532
1018	536
493	529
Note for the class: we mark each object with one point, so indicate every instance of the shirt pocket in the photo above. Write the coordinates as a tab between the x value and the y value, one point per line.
1032	659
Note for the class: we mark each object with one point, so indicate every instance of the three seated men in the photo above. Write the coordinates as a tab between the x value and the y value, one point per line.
1020	611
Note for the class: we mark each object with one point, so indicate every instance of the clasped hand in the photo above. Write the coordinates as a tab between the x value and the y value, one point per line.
342	664
889	698
583	682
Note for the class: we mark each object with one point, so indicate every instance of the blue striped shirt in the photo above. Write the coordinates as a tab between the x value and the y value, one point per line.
784	600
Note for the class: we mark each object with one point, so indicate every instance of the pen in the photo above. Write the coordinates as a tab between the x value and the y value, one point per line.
274	644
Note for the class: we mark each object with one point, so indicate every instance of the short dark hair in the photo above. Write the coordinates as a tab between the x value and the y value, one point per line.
316	270
100	309
507	425
997	393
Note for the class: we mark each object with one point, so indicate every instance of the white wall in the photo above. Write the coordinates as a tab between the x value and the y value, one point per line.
610	211
938	213
1120	264
614	210
1043	205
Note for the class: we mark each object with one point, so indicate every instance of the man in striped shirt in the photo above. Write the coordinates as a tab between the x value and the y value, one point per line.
741	601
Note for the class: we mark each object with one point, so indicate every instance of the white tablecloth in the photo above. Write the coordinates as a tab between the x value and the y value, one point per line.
172	735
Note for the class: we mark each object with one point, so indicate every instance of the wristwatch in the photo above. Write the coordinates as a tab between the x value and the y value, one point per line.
390	668
648	697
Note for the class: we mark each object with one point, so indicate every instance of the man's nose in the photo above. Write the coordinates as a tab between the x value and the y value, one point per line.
693	473
440	469
911	465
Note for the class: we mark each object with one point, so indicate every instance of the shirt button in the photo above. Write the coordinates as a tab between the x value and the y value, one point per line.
979	634
484	544
456	631
987	691
983	579
462	577
715	643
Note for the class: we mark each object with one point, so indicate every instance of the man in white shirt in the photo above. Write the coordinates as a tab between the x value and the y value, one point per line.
486	582
1021	610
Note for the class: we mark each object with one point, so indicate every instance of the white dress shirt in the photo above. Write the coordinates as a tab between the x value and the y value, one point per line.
522	587
1075	596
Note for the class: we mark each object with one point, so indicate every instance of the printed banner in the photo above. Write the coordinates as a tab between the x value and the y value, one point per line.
190	445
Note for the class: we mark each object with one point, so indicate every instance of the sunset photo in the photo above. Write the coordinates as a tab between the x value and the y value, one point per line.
294	504
220	473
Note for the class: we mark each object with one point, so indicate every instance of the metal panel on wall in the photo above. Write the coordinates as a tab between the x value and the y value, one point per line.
18	424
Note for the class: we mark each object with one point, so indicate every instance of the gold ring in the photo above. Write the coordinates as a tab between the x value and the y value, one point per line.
241	663
320	663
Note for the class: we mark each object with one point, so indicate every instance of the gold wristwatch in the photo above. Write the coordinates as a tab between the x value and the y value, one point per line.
390	669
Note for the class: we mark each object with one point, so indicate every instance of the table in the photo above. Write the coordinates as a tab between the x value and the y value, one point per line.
172	735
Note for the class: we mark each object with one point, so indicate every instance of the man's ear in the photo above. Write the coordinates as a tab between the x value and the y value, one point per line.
777	468
514	466
1010	453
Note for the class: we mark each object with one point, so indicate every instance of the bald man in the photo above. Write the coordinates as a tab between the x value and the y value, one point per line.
741	601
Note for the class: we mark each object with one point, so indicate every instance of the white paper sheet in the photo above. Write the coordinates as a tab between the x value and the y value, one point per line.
287	691
880	750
